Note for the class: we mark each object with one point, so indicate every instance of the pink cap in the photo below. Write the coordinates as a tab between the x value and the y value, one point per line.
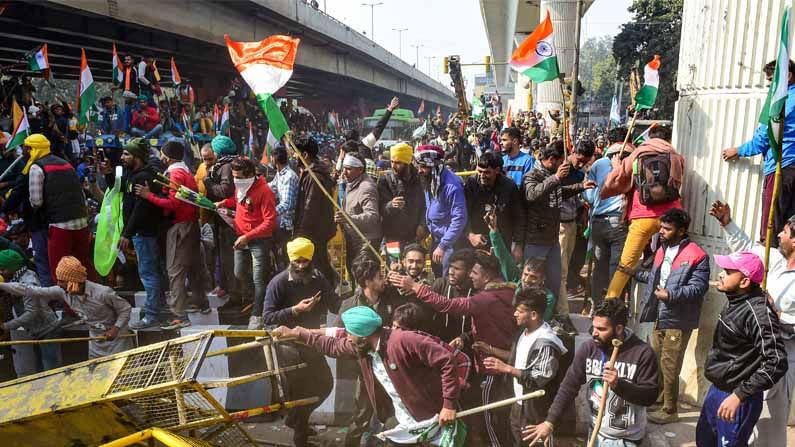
746	262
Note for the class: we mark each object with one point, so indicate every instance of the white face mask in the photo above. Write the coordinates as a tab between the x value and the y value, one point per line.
243	185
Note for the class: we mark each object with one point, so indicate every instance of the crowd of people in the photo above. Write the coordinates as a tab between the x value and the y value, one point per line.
448	270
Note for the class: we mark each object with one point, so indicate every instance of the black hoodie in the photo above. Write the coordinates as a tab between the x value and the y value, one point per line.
141	217
747	354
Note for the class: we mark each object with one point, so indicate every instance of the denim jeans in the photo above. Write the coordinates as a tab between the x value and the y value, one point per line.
440	271
552	254
608	234
155	132
252	263
148	253
41	258
48	355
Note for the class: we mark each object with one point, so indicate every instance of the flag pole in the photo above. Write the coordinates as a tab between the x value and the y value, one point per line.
331	198
774	197
629	132
564	122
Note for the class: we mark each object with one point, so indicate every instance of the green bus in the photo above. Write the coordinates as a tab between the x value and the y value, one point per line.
399	128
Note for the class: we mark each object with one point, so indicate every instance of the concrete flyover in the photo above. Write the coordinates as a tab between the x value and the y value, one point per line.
192	31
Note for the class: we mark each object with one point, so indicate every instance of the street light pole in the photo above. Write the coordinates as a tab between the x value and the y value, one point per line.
429	59
372	6
400	40
417	60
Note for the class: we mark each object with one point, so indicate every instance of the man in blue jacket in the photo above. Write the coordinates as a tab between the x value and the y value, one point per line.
675	288
760	144
445	204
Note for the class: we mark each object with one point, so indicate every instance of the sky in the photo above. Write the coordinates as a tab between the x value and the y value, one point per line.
446	27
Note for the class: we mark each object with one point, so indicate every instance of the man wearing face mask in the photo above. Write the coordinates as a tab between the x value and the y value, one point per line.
631	383
255	222
491	192
182	240
302	296
409	376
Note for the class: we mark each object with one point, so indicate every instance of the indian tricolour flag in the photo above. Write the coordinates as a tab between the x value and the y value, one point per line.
175	78
40	62
647	94
773	111
536	57
118	75
508	117
266	66
86	90
21	126
224	125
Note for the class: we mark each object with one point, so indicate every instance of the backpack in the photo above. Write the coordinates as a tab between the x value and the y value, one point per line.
652	173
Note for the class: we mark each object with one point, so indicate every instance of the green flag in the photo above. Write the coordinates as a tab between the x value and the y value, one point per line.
773	111
477	107
109	227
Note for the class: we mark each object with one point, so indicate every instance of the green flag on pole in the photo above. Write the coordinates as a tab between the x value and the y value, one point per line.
773	111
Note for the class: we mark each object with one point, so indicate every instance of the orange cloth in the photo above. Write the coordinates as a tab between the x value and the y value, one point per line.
71	271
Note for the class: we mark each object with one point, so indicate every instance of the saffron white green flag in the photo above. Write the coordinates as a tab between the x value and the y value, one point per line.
117	76
773	111
645	135
647	94
86	91
536	57
615	115
224	126
21	126
266	66
39	61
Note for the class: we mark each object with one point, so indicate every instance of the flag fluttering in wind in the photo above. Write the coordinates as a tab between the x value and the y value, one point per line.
86	91
223	126
266	66
117	76
421	110
772	113
250	140
216	116
175	78
508	118
21	126
477	107
40	62
645	135
615	115
536	57
420	131
647	94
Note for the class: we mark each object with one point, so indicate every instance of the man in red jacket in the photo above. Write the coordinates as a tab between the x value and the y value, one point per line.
255	222
145	121
182	240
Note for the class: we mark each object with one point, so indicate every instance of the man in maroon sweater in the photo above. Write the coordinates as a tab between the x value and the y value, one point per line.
491	310
408	375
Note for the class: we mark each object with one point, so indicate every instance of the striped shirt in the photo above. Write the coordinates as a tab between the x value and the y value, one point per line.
518	166
285	186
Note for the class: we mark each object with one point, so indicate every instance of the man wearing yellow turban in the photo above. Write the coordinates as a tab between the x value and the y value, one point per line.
401	198
302	296
55	191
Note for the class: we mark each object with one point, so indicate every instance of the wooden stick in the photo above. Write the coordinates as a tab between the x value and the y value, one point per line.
470	412
244	414
605	391
773	199
629	133
331	199
59	340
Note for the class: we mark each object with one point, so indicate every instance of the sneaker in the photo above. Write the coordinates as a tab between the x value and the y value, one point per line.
255	323
663	417
176	323
144	323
